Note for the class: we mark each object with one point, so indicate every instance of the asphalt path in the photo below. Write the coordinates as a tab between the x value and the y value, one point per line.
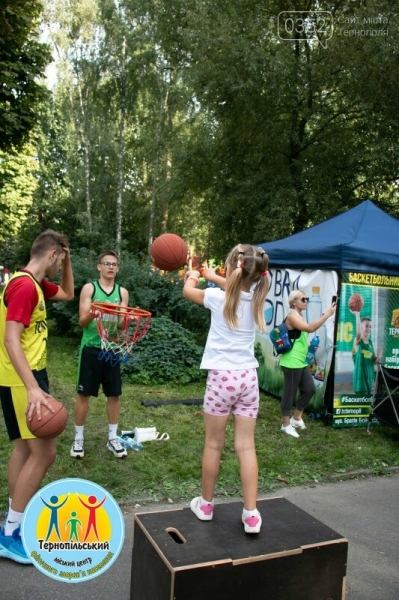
365	511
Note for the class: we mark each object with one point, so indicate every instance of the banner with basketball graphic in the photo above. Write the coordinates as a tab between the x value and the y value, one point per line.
367	332
320	287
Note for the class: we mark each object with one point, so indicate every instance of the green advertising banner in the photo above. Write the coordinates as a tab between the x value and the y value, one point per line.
367	334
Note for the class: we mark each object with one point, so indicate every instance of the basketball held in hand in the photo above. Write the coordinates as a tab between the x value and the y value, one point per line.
356	303
169	252
51	424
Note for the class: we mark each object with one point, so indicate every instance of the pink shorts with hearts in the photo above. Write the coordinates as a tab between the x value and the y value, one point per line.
234	392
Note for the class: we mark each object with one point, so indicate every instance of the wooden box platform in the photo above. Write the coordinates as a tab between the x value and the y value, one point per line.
294	557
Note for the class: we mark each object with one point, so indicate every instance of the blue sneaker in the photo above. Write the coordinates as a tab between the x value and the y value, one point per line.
11	547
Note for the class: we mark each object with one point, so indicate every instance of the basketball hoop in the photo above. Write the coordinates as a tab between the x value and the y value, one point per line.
119	328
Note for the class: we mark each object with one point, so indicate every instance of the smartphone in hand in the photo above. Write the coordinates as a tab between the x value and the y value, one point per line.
334	299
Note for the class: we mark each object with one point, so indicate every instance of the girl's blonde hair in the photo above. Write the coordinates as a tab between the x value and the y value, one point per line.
248	266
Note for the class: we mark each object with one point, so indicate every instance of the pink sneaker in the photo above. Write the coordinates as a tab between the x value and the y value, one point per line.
203	511
253	523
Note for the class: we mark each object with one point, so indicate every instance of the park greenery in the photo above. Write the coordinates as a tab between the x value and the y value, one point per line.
171	350
220	121
170	472
192	116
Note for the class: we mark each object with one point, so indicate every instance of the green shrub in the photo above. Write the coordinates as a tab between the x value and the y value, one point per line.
170	351
167	354
161	294
65	315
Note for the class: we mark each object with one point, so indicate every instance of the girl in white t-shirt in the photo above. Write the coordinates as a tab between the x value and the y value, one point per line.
232	384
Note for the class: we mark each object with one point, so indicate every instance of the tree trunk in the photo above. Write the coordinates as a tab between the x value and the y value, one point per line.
299	119
80	126
162	108
121	150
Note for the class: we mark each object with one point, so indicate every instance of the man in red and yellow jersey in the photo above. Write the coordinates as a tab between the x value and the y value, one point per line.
24	384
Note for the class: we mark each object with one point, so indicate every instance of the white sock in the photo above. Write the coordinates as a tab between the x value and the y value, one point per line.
9	502
79	429
250	513
112	431
202	501
14	519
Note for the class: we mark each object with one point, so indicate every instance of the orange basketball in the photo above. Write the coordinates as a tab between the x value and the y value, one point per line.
50	424
169	252
356	303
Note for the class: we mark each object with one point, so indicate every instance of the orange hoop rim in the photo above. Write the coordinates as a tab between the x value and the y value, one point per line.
108	308
119	328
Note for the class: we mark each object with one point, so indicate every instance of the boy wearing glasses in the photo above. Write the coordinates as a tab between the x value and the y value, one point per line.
92	371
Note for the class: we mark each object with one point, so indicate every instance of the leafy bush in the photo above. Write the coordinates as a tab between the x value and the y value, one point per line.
151	290
65	315
161	294
168	353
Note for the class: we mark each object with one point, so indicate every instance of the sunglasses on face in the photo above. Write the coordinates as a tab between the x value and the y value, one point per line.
304	299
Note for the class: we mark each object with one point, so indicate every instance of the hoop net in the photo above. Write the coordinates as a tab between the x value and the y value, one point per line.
119	328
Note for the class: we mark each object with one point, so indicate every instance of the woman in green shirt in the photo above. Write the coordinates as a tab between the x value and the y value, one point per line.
297	375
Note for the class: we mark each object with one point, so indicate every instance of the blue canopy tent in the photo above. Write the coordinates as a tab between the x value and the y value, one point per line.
363	240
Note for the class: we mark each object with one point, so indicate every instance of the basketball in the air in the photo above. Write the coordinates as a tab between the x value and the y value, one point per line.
356	303
51	424
169	252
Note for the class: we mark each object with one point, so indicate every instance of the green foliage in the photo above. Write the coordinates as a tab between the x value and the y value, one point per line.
169	351
17	185
23	60
195	117
167	354
149	289
293	132
172	470
160	293
66	314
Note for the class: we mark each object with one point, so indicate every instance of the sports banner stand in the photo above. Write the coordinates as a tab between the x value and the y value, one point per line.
367	334
363	333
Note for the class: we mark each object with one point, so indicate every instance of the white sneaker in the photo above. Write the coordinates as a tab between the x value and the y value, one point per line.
253	523
297	423
290	430
203	511
78	449
116	448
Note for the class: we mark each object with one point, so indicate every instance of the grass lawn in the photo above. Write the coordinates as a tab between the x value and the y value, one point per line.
171	471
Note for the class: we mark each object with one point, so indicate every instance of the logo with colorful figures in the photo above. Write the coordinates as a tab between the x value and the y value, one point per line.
73	530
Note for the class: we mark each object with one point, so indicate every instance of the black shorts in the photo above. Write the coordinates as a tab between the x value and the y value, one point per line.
14	401
93	372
